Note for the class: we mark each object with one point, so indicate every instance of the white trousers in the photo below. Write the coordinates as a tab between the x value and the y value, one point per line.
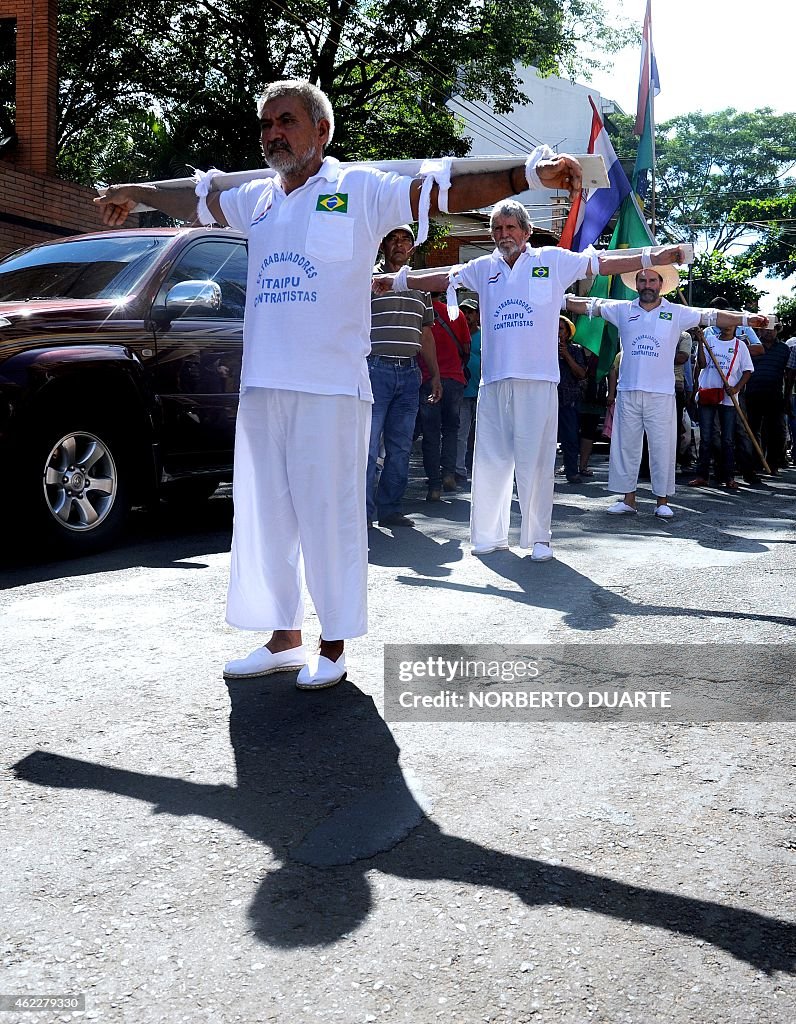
516	428
299	493
638	413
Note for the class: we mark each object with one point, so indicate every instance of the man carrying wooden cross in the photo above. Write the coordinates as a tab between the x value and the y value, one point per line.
304	417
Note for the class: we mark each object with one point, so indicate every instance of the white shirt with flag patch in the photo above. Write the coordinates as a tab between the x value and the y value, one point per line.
724	351
520	306
311	255
649	340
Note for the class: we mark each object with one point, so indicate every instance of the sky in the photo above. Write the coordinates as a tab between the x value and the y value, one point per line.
711	54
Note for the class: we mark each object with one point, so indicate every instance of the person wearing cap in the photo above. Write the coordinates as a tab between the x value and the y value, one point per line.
303	424
572	368
649	333
520	290
400	327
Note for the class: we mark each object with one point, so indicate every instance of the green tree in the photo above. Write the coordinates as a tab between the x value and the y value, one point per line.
708	166
708	162
775	220
715	274
786	311
148	88
7	45
718	178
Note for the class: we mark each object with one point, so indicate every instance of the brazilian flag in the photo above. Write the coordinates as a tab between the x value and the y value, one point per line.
336	203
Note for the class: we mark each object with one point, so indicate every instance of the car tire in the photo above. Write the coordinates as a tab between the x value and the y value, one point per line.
76	475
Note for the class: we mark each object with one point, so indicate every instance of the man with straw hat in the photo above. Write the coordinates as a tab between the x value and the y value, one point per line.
649	331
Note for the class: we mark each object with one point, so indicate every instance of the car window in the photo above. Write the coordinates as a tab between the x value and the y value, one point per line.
91	268
223	262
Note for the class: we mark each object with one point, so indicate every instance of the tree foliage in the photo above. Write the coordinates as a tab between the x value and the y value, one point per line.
708	162
775	220
719	177
786	311
7	45
146	89
715	274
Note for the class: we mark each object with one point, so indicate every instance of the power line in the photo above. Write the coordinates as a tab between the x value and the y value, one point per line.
730	192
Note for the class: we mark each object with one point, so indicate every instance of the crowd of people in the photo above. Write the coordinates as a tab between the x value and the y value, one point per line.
712	440
670	383
335	382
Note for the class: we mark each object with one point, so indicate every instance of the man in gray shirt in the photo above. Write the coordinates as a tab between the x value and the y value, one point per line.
400	329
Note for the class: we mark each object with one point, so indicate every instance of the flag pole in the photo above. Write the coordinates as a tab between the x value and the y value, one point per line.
652	200
652	126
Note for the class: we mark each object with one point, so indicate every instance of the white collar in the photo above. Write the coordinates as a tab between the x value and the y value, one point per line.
329	170
661	305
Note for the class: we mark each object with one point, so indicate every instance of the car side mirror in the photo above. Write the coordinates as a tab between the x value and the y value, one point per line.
195	297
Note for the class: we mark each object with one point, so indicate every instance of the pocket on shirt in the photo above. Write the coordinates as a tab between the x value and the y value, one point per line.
330	238
540	290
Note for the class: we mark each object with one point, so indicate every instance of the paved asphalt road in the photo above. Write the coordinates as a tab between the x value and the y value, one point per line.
180	850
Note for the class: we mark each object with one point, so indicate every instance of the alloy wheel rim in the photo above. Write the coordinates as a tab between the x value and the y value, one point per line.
80	481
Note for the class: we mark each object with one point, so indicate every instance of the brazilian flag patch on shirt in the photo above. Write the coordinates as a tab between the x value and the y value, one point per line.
664	316
540	272
337	203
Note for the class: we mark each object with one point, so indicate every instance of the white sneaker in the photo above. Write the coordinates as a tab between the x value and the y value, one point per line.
541	552
263	662
487	549
663	512
621	508
320	672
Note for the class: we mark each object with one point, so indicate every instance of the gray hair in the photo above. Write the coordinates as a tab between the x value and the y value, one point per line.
511	208
315	102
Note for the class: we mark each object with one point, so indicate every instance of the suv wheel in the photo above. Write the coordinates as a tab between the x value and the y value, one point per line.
78	486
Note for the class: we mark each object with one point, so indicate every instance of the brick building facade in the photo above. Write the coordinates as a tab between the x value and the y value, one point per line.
35	205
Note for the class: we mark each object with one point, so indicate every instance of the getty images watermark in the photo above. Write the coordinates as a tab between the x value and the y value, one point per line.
589	682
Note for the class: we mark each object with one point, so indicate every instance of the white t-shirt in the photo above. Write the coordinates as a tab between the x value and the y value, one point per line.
520	306
649	342
723	351
311	255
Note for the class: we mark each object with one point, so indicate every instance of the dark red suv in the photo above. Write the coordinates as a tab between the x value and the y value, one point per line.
120	359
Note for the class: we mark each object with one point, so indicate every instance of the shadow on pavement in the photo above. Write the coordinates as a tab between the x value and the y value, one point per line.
404	548
585	604
710	523
157	539
318	783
